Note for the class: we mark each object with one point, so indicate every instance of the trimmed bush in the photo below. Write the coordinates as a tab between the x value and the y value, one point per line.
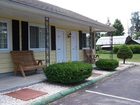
107	64
66	73
124	53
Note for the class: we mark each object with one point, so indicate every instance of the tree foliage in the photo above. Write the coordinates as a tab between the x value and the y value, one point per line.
136	35
124	53
119	28
135	21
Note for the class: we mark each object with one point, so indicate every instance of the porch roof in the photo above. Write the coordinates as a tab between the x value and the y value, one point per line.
56	12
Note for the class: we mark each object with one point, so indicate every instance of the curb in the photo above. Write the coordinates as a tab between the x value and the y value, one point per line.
49	99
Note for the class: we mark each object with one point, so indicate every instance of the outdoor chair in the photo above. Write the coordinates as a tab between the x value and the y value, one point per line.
25	61
89	56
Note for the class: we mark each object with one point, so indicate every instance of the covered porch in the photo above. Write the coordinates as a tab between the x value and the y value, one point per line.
24	20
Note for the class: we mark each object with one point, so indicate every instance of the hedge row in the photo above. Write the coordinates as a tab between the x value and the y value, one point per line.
135	48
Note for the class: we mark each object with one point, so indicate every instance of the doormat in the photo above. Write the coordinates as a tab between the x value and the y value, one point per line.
26	94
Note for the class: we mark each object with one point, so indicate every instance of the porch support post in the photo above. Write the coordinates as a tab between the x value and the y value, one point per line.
94	42
47	41
90	38
111	45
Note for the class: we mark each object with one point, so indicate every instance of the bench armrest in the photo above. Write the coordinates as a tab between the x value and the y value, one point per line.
39	61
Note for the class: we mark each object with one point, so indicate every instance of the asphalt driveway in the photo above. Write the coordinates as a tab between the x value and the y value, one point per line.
120	89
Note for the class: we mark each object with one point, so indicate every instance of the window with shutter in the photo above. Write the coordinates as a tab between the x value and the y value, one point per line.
83	40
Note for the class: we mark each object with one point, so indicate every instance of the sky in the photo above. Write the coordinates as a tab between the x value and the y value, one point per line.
101	10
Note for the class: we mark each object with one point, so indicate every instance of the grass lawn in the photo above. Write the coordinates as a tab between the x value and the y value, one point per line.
136	57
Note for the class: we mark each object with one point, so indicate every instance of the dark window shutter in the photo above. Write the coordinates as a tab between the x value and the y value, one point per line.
53	38
80	40
24	34
15	33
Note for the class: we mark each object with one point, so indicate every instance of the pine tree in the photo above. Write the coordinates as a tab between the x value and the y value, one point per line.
119	28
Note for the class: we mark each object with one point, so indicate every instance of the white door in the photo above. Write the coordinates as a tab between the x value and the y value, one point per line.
74	46
60	46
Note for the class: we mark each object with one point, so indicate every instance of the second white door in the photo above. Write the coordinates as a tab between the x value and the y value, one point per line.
74	46
60	46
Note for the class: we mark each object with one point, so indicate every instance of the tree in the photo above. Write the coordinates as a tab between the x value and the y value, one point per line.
136	35
124	53
100	34
135	21
119	28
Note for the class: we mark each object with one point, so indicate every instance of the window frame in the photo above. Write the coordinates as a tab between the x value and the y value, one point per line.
8	35
39	26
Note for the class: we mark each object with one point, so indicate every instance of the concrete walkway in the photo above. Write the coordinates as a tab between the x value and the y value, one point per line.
13	82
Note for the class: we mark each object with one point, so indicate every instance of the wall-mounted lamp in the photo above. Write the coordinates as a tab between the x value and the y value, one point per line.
69	35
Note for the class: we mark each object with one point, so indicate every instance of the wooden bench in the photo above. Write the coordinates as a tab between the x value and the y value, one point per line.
89	57
25	61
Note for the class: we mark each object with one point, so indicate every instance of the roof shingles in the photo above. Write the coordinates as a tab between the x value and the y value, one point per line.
58	10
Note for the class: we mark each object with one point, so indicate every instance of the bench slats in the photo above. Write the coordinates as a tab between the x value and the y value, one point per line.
25	61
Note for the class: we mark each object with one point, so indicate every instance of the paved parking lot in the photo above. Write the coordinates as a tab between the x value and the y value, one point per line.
120	89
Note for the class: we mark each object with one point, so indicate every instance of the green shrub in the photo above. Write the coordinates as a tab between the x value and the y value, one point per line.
107	64
135	48
66	73
116	48
124	53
